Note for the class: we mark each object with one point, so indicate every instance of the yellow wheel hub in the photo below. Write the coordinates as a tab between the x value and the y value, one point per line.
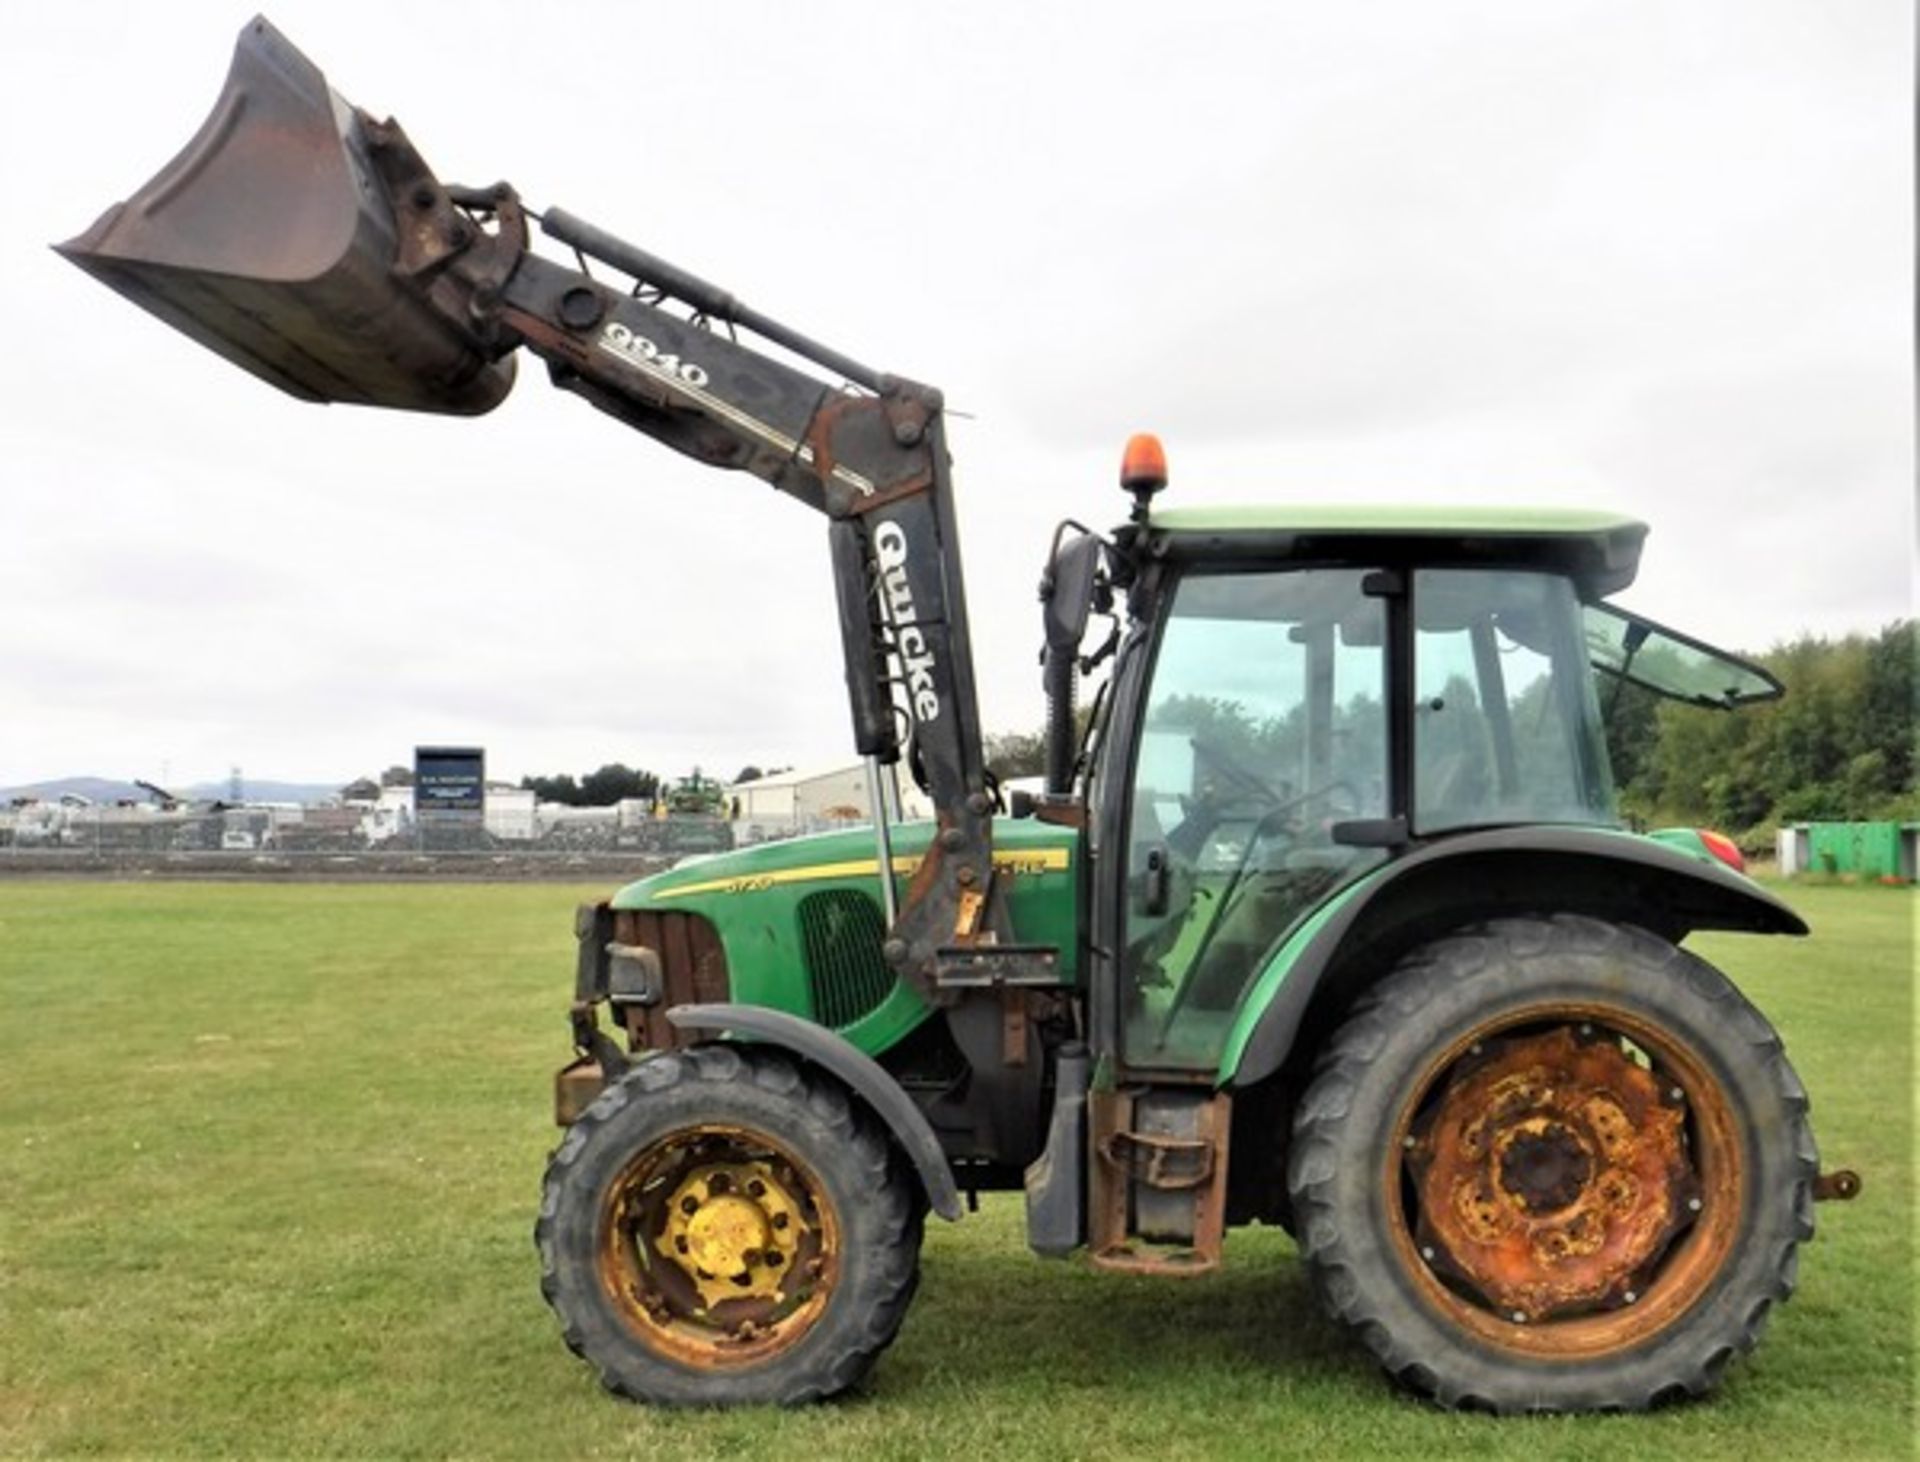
734	1229
725	1235
719	1247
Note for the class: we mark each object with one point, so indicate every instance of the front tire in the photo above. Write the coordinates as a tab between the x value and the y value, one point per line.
1553	1164
724	1227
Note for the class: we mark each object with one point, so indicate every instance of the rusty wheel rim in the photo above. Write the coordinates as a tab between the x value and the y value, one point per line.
718	1247
1565	1181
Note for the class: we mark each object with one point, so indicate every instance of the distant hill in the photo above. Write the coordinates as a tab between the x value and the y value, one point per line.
107	789
94	789
260	790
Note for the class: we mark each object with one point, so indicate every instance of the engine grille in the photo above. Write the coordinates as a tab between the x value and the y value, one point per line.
840	935
694	964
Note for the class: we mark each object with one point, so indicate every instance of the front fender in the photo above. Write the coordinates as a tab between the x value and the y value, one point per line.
864	1076
1463	880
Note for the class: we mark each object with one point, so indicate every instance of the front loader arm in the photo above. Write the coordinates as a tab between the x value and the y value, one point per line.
308	242
875	463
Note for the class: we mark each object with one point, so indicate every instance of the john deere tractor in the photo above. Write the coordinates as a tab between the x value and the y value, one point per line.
1327	921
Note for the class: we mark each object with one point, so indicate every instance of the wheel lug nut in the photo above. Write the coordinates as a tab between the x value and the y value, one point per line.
756	1189
689	1205
1677	1094
780	1220
1631	1296
1519	1317
1427	1254
1693	1205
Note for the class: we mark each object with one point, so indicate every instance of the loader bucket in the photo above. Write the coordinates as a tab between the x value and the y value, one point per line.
270	240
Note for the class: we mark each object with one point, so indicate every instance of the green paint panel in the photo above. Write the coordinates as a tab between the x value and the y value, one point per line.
1281	965
752	897
1393	519
1267	984
1682	839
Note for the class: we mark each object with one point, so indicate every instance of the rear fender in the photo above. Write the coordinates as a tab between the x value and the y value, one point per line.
1464	880
864	1076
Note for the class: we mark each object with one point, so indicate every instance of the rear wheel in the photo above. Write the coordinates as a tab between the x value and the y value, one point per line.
723	1227
1551	1165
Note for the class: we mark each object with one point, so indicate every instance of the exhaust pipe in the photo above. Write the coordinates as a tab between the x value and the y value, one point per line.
273	239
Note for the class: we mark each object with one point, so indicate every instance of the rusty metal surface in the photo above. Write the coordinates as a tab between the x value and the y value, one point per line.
1841	1186
693	970
270	240
1553	1174
717	1247
1113	1174
575	1086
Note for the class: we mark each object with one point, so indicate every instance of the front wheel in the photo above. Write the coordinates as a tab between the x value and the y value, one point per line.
1553	1165
724	1227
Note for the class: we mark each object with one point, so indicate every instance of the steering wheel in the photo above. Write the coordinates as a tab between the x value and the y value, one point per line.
1249	781
1274	800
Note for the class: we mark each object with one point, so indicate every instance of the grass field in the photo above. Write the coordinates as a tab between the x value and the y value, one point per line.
269	1156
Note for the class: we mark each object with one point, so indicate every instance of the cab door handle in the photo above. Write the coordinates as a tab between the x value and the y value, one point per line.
1157	882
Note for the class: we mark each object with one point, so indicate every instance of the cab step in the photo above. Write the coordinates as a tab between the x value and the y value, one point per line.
1158	1179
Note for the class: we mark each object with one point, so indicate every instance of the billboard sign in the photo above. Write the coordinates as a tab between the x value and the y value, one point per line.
450	779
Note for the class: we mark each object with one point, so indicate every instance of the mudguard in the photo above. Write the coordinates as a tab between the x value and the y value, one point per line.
1483	875
864	1076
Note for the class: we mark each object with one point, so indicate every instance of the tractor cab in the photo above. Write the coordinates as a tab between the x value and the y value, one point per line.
1306	695
1299	697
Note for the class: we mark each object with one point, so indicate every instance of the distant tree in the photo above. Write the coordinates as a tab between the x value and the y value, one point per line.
562	789
1840	745
397	777
602	788
615	782
364	790
748	773
1016	754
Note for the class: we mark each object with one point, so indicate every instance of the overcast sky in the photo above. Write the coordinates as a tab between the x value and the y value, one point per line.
1647	256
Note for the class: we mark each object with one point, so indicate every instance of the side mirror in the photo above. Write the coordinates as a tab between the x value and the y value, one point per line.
1067	592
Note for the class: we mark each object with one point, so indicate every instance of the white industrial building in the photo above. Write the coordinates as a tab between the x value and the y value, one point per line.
793	802
511	813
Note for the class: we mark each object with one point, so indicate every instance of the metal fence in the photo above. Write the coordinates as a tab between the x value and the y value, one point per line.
52	835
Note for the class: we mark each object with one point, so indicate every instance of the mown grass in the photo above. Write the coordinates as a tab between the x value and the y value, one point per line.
269	1156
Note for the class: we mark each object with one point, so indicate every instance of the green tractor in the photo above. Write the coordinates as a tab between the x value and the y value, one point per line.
687	818
1326	921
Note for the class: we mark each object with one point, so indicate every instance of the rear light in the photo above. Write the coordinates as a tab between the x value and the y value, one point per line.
1721	846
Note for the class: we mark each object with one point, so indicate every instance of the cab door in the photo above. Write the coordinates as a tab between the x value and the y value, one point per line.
1263	725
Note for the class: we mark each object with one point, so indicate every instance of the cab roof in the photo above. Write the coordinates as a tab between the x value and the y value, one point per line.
1600	550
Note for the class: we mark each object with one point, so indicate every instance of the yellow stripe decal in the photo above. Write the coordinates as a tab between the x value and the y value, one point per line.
1038	860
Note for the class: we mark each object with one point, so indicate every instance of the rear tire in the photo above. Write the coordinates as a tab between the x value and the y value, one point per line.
1553	1164
724	1227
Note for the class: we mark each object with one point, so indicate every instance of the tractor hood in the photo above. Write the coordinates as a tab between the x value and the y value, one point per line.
1024	850
780	913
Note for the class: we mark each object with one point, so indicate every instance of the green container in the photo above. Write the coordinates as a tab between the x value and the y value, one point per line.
1863	849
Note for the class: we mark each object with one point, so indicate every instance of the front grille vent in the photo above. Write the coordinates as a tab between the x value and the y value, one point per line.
840	933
